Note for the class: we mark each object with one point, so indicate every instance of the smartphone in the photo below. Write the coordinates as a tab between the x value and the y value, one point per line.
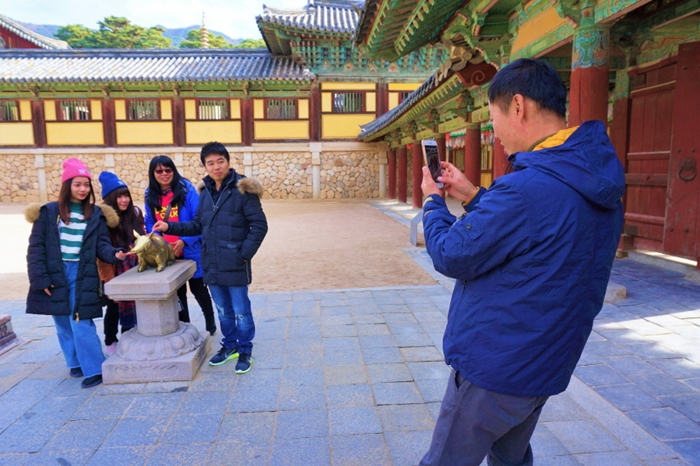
432	160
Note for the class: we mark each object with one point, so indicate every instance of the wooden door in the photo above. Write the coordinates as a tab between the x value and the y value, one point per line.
681	235
651	124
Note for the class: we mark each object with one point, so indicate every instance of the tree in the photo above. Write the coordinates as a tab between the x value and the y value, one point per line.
114	33
77	35
194	40
251	44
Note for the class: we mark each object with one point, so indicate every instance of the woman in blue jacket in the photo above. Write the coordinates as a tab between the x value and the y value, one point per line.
172	196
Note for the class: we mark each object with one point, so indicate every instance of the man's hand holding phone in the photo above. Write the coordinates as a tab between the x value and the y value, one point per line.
456	184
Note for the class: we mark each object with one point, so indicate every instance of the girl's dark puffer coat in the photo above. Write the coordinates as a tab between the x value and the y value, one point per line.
45	265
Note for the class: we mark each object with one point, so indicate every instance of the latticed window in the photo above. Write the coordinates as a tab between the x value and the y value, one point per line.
9	111
213	109
143	110
281	109
403	95
74	110
348	102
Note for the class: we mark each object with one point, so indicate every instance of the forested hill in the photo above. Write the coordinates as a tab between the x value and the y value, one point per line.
174	34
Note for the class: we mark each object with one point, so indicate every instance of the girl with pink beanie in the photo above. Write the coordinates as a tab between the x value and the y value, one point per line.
67	237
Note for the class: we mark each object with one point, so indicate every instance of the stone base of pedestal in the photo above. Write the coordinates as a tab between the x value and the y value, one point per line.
8	338
166	358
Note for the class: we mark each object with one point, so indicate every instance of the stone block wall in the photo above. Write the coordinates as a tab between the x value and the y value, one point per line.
19	180
340	170
284	175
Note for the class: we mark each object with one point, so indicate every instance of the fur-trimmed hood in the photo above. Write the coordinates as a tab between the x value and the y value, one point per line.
250	185
111	215
31	213
245	185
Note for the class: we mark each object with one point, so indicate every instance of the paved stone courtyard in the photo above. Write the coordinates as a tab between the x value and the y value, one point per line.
355	377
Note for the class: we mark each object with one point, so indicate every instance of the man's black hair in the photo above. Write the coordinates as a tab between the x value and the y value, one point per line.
213	148
535	79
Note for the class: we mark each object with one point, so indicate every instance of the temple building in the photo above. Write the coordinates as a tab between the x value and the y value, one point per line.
290	115
633	64
337	104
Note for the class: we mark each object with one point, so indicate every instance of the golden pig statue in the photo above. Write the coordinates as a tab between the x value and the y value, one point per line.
153	251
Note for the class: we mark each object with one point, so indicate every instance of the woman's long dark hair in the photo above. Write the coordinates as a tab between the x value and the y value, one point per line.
64	202
131	219
154	191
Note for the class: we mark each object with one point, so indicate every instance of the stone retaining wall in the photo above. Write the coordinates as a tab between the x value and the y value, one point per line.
294	171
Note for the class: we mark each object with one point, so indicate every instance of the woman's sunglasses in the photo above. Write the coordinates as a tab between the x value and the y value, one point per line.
160	171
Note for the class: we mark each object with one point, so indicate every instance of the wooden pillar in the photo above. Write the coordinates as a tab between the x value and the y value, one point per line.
442	147
247	121
402	175
315	115
417	170
382	98
109	123
391	192
588	94
620	127
472	154
500	159
38	123
178	122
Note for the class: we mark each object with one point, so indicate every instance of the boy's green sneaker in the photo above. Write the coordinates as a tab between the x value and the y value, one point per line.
244	363
224	354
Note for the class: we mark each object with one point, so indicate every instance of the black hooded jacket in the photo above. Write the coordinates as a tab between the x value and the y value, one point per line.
232	224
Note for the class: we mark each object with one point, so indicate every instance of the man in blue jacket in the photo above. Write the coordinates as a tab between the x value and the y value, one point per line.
233	225
531	259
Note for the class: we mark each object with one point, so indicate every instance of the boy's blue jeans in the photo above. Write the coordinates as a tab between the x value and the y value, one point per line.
79	341
235	317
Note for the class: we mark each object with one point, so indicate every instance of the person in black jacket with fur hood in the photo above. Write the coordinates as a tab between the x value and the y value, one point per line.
233	225
66	238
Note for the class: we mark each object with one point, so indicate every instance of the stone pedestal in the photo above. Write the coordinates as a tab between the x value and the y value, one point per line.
8	339
160	348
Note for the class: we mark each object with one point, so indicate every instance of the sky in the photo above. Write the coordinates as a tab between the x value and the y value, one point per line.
235	18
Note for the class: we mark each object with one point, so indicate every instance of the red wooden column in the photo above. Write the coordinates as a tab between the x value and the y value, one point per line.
472	154
109	122
315	114
391	189
417	167
403	175
442	147
382	98
588	94
500	159
247	122
178	122
39	123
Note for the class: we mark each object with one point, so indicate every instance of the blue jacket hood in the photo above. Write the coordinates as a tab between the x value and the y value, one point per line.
586	161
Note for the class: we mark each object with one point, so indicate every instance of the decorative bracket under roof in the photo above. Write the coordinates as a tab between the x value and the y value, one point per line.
465	105
466	32
434	120
566	9
413	128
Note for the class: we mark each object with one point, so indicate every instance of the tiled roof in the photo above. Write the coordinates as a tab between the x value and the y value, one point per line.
392	115
26	34
90	65
333	16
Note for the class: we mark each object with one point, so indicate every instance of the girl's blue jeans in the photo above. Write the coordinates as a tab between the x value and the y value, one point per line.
79	341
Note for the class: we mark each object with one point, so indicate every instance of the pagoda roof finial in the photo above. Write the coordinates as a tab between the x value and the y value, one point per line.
204	34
